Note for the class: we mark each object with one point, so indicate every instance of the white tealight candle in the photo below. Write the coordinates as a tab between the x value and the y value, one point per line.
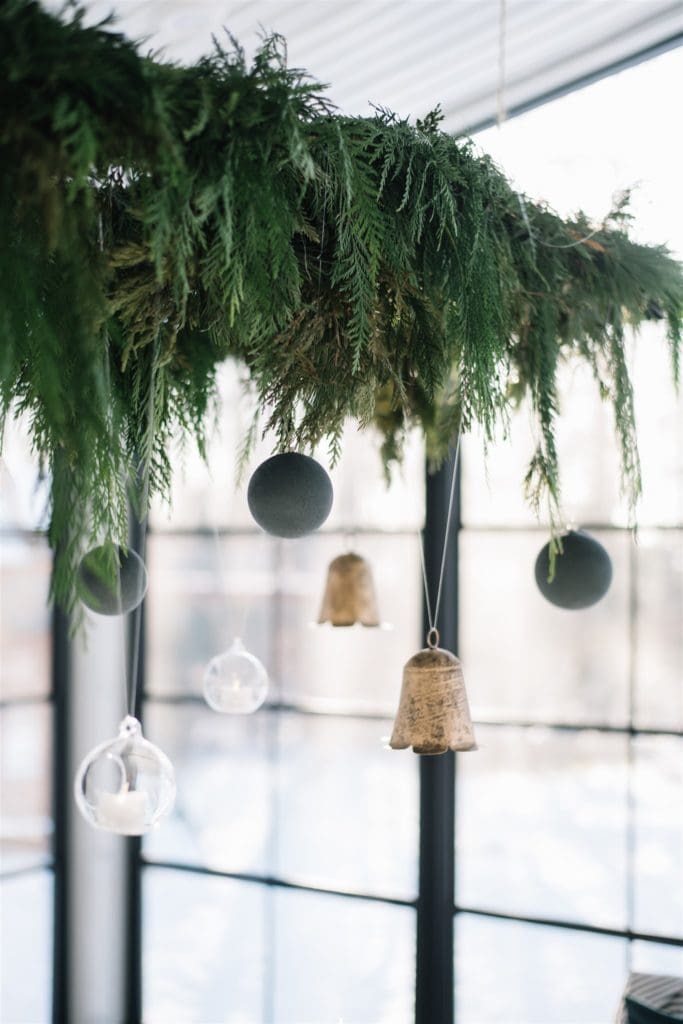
122	812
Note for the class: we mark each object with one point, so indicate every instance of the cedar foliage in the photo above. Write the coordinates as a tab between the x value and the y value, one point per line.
158	219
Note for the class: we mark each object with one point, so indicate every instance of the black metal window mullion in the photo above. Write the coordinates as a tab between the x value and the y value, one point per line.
434	989
136	654
61	811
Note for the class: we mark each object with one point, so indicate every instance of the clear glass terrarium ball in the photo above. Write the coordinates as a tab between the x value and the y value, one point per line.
235	682
126	785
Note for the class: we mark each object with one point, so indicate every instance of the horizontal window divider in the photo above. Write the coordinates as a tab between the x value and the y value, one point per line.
577	926
209	532
466	527
381	716
277	882
23	702
30	869
620	730
297	709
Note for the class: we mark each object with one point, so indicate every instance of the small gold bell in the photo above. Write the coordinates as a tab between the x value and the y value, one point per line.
433	714
349	593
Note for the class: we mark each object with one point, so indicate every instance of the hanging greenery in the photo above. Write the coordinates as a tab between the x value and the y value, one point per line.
158	219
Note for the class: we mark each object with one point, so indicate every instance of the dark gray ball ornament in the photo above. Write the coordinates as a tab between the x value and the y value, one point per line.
108	594
290	495
583	572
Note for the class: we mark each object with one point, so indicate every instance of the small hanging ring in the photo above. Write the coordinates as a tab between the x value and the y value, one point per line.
433	638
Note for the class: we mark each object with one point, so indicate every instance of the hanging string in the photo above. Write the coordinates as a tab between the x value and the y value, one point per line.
137	621
552	245
142	552
501	112
433	633
501	116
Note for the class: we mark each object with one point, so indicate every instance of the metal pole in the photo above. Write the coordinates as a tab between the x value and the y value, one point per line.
136	655
436	897
61	811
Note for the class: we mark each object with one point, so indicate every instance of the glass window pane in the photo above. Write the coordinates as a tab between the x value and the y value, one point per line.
541	827
509	971
202	593
348	668
26	948
525	659
656	958
206	496
203	949
658	787
342	959
315	799
25	785
25	566
222	816
659	416
659	630
493	478
347	807
24	492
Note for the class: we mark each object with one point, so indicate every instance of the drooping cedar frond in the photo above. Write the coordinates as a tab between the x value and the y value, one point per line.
158	219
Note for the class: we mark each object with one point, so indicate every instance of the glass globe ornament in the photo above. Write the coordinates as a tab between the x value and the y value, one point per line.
126	785
111	581
235	682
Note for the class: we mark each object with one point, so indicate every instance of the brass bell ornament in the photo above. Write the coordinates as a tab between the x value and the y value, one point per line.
433	714
349	593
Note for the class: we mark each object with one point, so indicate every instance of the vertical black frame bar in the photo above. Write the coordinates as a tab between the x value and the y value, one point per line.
136	662
434	994
61	810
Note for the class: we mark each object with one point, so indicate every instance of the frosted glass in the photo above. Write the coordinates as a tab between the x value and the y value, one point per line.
342	960
347	807
526	660
541	827
509	971
25	785
26	948
203	949
314	799
659	630
658	792
222	816
25	647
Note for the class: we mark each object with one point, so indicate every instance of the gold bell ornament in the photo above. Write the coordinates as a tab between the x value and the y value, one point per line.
350	593
433	714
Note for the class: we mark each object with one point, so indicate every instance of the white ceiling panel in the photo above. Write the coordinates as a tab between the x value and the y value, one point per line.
408	55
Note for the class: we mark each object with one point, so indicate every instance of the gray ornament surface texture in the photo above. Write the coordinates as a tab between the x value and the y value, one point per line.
583	572
290	495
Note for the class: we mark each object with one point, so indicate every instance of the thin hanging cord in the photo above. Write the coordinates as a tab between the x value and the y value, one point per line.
432	619
553	245
137	612
137	624
128	704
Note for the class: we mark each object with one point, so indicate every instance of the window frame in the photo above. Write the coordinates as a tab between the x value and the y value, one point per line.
437	907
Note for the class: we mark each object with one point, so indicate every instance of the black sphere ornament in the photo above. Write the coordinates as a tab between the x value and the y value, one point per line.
290	495
107	589
583	572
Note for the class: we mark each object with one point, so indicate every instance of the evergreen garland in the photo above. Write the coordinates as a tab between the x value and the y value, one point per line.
158	219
